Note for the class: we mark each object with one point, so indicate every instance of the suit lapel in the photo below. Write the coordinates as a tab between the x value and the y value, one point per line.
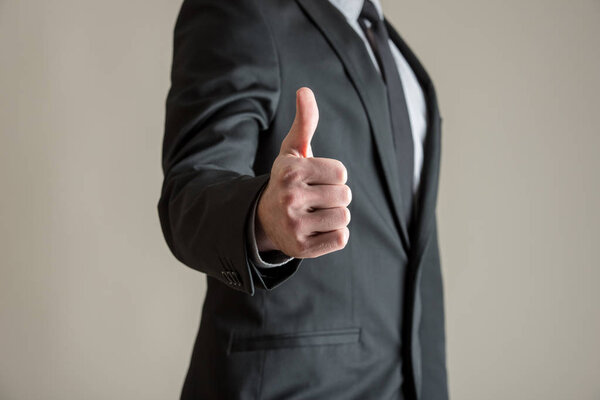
371	89
428	187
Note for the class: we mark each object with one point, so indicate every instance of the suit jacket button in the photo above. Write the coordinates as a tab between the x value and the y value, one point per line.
226	276
236	278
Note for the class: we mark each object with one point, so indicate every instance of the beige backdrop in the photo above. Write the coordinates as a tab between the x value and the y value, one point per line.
93	305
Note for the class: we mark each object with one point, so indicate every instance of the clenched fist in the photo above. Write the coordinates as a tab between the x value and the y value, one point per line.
303	210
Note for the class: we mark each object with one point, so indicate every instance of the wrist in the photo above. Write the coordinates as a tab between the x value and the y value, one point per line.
263	242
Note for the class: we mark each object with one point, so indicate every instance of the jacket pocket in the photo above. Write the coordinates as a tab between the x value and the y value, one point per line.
298	339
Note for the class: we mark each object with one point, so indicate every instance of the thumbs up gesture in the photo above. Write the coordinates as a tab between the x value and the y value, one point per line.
303	210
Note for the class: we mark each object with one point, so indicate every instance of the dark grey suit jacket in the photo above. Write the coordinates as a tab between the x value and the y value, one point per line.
366	322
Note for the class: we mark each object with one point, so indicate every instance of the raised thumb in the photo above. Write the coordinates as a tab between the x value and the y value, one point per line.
297	141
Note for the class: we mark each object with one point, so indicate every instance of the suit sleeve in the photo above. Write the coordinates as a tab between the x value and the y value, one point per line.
224	92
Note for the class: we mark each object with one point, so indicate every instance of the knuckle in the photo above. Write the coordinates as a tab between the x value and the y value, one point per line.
346	216
341	238
302	247
290	174
290	198
347	195
287	199
292	223
341	173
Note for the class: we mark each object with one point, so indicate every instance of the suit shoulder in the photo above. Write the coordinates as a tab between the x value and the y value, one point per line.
236	14
222	33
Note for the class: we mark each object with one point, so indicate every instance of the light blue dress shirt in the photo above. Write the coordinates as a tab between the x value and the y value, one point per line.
417	111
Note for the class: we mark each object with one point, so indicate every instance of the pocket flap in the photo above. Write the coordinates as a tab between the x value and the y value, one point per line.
297	339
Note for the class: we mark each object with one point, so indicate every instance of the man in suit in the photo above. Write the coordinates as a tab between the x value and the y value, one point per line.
311	211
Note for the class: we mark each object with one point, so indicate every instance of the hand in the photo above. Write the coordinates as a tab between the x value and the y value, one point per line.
303	210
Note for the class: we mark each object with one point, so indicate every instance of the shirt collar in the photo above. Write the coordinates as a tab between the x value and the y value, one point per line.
352	8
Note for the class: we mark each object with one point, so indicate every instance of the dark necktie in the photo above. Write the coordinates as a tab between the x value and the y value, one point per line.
377	35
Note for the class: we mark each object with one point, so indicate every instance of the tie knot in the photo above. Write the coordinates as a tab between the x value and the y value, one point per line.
369	12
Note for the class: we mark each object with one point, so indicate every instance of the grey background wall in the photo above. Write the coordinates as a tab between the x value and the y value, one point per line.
92	304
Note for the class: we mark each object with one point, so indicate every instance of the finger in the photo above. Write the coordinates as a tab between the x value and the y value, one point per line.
327	196
320	170
325	220
297	141
327	242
